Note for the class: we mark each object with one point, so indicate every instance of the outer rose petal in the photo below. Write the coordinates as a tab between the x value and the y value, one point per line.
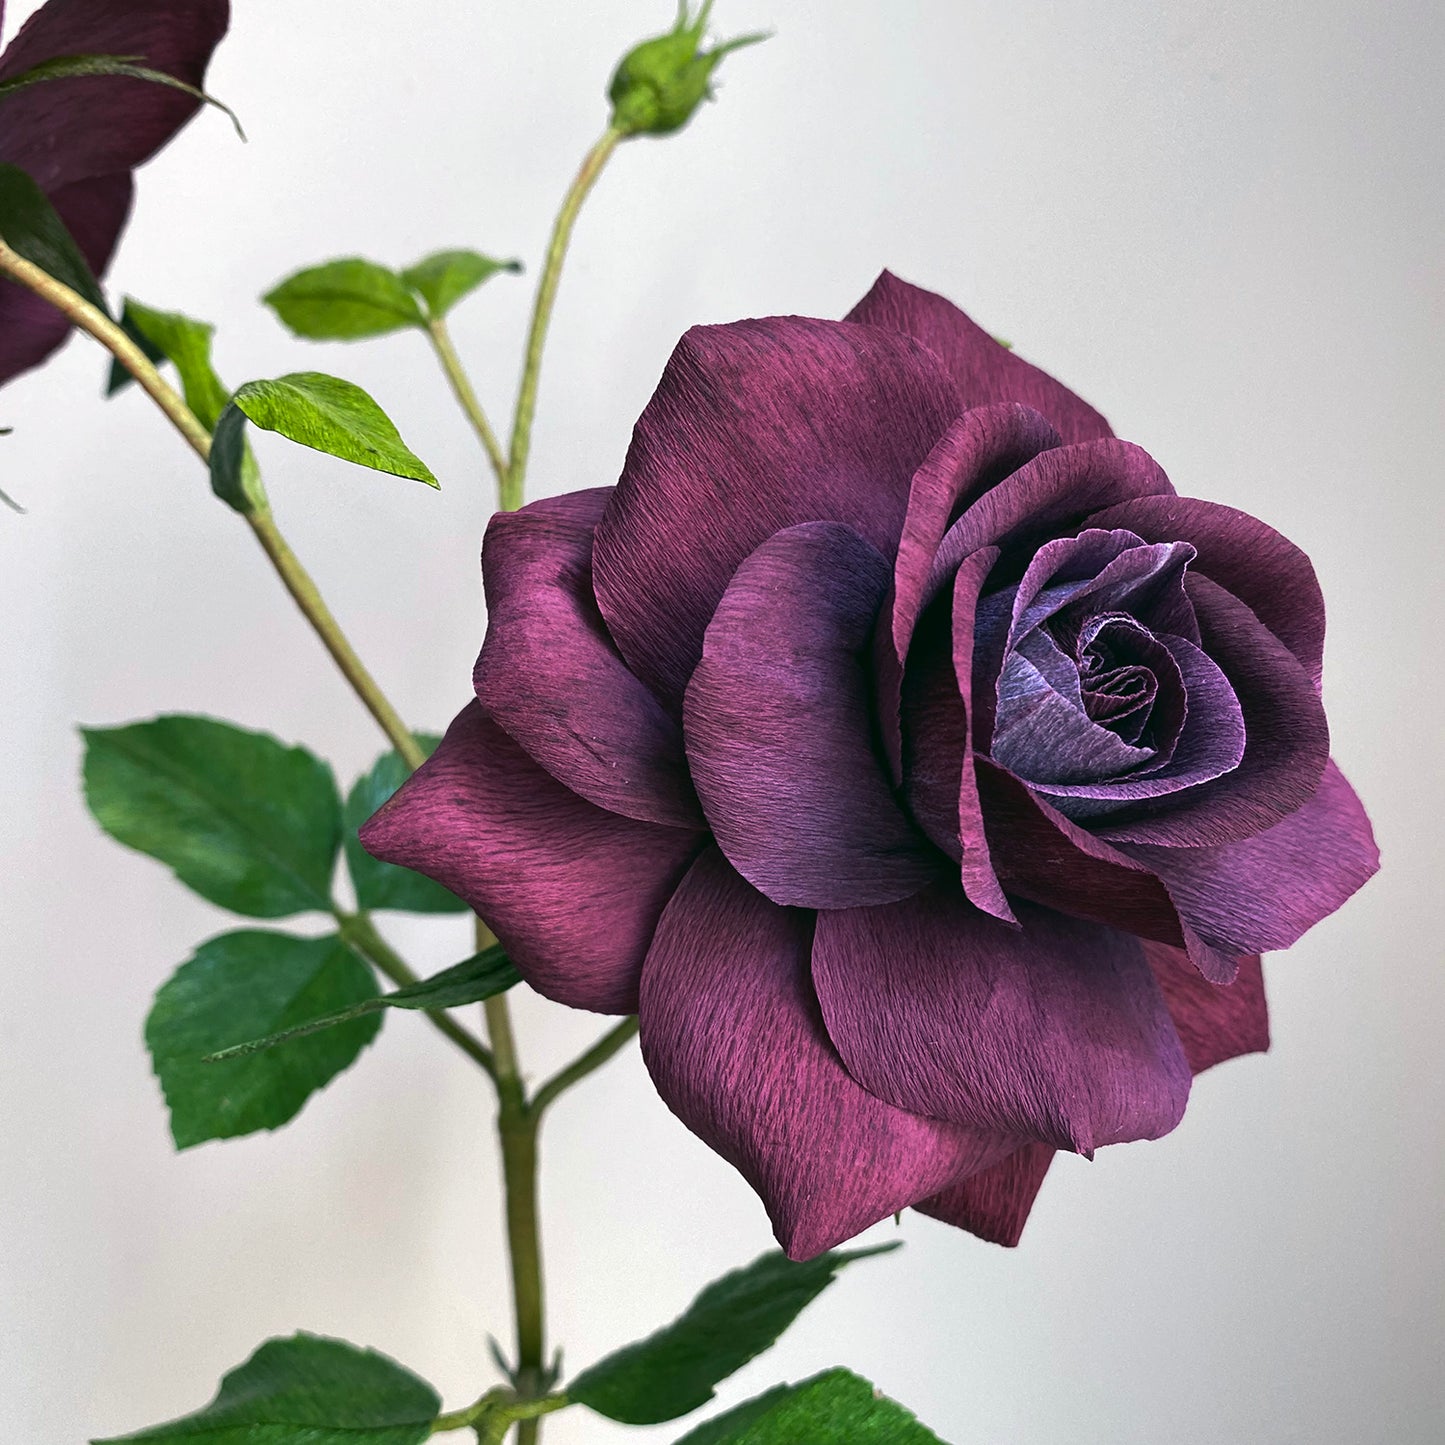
95	213
65	131
573	892
755	427
779	728
733	1039
550	675
994	1203
984	370
1263	892
1055	1031
1214	1022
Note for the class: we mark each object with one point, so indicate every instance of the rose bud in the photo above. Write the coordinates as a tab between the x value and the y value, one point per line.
921	768
661	83
79	138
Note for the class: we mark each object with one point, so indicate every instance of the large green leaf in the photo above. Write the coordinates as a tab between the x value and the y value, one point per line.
345	300
29	225
445	277
186	344
334	416
244	820
480	977
834	1408
236	987
385	885
309	1391
737	1317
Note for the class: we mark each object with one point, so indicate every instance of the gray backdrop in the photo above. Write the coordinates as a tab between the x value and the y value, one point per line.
1221	223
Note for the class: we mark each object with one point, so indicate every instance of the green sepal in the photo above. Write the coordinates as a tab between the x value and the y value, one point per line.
308	1390
333	416
445	277
736	1318
243	820
31	227
345	300
480	977
236	986
834	1408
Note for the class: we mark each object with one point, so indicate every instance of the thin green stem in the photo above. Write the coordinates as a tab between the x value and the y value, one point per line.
466	395
495	1412
605	1047
591	168
360	932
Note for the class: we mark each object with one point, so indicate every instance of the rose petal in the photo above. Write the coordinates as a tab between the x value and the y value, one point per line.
1055	1031
1266	571
994	1203
65	131
550	675
984	370
573	892
1215	1022
733	1039
1264	892
755	427
779	728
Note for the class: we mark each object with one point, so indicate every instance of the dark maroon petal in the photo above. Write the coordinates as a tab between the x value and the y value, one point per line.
1264	570
65	131
984	370
1287	740
1263	892
994	1203
1055	1031
30	329
573	892
755	427
1214	1021
550	675
779	728
732	1036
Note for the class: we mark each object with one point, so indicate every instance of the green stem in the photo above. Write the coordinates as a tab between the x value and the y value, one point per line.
585	1064
591	168
466	395
495	1412
360	932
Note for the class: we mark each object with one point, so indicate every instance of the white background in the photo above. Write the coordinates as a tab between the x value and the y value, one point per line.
1221	223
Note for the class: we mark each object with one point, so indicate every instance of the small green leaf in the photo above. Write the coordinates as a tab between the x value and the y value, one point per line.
445	277
479	977
344	300
731	1321
235	987
30	226
119	377
385	885
186	344
333	416
235	477
309	1391
243	820
834	1408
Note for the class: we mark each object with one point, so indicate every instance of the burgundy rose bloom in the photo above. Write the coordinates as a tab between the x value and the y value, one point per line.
80	139
923	770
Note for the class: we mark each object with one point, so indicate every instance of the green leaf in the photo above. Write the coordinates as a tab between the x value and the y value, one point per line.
445	277
731	1321
479	977
186	344
30	225
334	416
385	885
236	986
344	300
309	1391
119	377
834	1408
67	67
235	477
242	819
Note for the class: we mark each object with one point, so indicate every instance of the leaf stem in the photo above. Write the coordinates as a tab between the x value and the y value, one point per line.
466	395
605	1047
586	178
491	1416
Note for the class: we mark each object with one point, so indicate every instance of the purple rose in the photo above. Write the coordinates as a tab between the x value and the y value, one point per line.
80	139
924	771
